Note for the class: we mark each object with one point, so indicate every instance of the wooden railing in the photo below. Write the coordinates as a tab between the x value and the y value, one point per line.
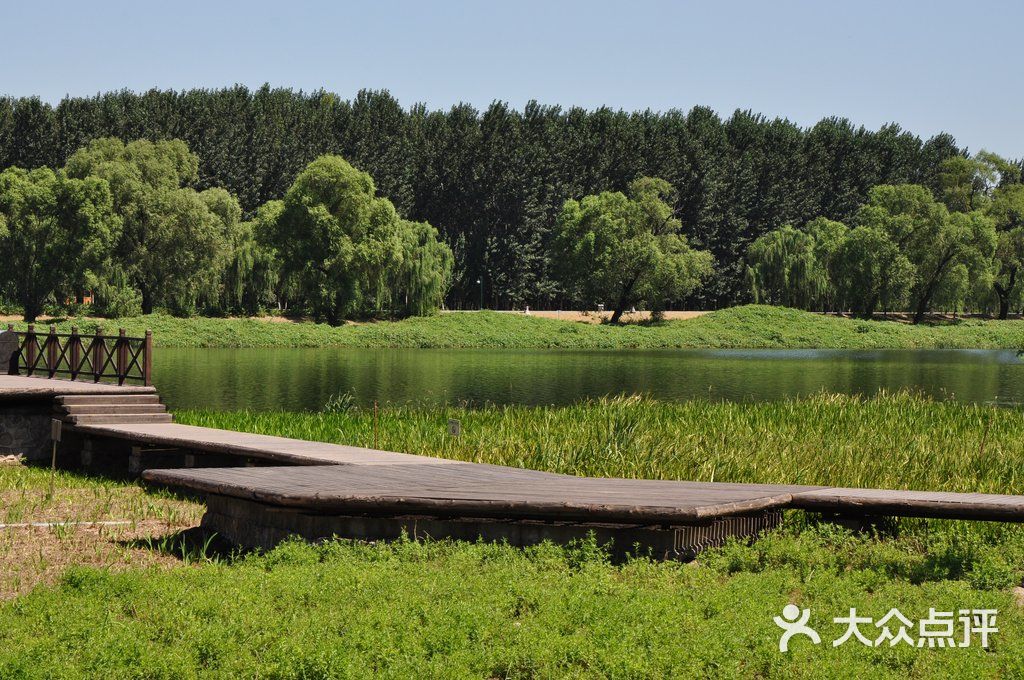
84	357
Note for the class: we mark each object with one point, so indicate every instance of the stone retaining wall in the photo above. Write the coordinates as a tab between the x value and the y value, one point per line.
25	430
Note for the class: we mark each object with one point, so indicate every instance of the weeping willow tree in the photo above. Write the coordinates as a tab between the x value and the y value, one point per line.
783	269
251	280
113	292
419	285
348	251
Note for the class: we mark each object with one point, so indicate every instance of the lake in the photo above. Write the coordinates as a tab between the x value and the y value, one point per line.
304	379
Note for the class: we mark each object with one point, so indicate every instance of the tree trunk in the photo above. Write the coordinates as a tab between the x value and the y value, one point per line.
1004	294
147	300
620	308
30	306
922	308
926	298
869	309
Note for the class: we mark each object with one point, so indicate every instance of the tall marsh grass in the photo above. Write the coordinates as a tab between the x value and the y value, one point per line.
892	440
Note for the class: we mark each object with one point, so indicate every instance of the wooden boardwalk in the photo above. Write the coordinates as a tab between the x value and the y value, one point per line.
304	480
480	490
23	387
250	446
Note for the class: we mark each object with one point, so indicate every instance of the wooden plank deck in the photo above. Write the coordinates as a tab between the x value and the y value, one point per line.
21	386
401	482
338	478
473	489
902	503
246	445
478	490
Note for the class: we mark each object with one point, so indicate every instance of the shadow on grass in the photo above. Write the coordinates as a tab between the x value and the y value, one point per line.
191	546
40	470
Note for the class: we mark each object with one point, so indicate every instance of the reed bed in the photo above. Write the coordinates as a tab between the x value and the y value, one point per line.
891	440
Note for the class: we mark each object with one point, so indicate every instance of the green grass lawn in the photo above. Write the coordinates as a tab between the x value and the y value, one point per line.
457	610
751	326
444	609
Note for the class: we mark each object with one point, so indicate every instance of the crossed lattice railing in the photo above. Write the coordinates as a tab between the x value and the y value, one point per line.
84	357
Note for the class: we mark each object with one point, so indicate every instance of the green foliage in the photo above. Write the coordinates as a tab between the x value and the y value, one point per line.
784	269
343	246
493	181
175	240
1007	210
871	272
966	183
418	286
750	326
624	250
901	440
55	231
906	250
935	241
471	610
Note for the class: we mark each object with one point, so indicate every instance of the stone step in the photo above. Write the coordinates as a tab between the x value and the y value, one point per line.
97	409
120	419
96	399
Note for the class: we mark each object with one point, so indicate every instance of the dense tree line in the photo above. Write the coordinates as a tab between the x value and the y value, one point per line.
125	221
906	249
493	182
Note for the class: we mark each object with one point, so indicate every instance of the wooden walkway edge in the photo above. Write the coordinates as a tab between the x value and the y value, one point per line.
314	477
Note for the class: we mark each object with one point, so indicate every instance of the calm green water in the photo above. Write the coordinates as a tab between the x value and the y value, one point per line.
303	379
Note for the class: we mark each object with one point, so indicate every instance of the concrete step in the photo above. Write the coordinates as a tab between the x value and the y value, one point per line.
98	409
96	399
119	419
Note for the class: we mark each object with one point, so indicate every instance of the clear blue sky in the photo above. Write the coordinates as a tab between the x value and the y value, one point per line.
930	66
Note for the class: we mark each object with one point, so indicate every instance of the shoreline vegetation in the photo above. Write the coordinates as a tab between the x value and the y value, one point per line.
744	327
896	440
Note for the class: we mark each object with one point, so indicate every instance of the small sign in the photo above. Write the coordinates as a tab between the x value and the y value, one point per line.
56	427
454	427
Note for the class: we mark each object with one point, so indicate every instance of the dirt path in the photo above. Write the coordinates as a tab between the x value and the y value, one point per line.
597	317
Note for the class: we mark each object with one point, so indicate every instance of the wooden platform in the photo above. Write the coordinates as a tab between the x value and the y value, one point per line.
24	387
317	489
255	446
401	482
903	503
478	490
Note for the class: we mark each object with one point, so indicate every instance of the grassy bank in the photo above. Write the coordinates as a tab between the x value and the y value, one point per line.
95	522
441	609
751	326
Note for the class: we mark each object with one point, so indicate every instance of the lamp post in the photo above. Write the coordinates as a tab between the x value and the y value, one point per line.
480	282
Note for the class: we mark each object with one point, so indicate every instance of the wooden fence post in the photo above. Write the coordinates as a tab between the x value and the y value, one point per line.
51	351
30	348
12	368
75	352
98	354
147	360
122	356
